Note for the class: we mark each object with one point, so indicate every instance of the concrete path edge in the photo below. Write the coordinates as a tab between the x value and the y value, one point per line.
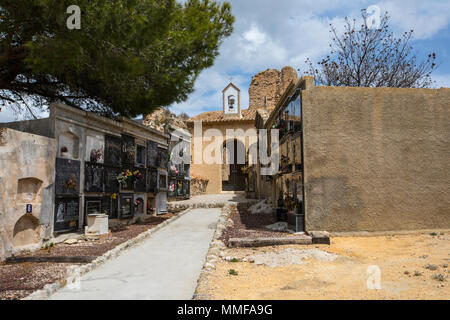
73	274
215	247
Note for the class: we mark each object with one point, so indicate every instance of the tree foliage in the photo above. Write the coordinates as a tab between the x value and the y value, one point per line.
369	57
129	57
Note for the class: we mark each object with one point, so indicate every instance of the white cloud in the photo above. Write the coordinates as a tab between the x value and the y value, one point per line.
272	34
427	18
6	115
442	80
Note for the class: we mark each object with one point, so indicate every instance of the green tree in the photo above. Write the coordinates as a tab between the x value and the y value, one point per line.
129	57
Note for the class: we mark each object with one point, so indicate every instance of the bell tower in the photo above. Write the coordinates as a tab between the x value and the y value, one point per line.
231	97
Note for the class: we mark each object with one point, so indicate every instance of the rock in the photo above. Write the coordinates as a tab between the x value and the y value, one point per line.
209	266
431	267
320	237
278	226
222	254
71	241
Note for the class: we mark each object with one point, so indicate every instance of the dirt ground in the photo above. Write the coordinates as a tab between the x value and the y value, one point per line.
21	279
412	267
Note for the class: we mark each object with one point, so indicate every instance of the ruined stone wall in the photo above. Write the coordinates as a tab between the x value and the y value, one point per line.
267	87
27	173
198	185
376	159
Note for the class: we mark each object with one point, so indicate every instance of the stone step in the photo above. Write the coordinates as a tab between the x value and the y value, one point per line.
264	242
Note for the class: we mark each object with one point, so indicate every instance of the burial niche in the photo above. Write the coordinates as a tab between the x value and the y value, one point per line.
68	145
28	189
26	231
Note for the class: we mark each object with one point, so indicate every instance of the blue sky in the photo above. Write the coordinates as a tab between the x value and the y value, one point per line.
275	33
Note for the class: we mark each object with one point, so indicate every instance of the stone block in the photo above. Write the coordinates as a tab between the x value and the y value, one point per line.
320	237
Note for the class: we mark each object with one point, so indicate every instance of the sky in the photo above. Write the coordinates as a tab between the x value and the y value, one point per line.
275	33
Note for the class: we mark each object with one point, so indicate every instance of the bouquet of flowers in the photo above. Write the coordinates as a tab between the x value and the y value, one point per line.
71	183
173	169
96	155
122	178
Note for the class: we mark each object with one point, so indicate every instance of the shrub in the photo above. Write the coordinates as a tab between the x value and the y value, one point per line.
232	272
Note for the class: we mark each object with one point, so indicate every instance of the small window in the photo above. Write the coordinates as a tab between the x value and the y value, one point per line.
140	155
231	102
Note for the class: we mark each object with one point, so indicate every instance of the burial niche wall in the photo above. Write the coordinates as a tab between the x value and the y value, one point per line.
29	190
26	231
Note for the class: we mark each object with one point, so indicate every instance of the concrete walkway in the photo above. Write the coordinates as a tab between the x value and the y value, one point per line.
166	266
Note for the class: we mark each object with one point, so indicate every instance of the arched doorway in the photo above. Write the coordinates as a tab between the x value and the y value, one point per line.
233	178
26	231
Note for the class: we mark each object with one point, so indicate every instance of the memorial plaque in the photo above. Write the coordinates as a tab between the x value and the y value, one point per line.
128	149
113	151
152	154
163	158
179	188
111	183
162	181
186	188
114	213
66	214
67	180
140	183
172	188
94	178
106	205
126	205
152	180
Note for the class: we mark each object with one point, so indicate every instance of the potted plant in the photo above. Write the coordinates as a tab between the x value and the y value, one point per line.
64	152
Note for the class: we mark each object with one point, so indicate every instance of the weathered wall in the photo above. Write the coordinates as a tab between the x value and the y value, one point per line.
376	159
269	85
26	177
42	127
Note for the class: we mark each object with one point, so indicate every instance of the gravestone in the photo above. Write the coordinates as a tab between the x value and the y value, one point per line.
128	149
94	178
172	188
186	188
126	205
141	184
111	183
163	158
152	154
66	214
113	151
67	180
152	180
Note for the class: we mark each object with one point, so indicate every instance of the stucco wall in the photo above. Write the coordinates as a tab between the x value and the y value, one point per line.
376	159
213	172
26	177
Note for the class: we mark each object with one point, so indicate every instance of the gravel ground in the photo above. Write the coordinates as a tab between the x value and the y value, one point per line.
290	256
412	266
19	280
247	225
